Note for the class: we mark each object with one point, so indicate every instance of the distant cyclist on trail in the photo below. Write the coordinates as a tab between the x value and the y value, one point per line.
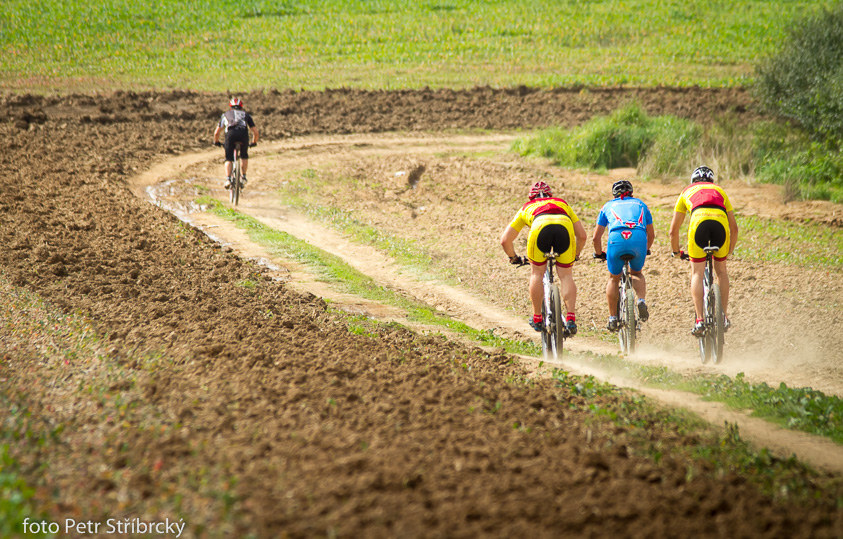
631	232
553	224
712	223
236	123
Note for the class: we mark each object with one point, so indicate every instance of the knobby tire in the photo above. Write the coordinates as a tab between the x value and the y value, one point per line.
558	337
629	321
706	342
235	187
717	339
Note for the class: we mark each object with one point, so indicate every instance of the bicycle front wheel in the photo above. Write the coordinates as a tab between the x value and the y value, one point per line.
719	326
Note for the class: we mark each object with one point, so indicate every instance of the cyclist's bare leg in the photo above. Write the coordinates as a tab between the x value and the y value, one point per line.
244	165
228	166
723	281
612	293
697	271
567	287
639	284
536	287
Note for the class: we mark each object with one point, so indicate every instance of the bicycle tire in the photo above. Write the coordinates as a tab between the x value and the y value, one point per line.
621	310
718	338
546	302
705	338
235	186
558	328
629	324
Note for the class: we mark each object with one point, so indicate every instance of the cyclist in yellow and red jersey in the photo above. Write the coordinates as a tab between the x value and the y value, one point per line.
712	224
553	224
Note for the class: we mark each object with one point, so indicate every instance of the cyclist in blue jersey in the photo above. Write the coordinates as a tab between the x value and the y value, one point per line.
631	232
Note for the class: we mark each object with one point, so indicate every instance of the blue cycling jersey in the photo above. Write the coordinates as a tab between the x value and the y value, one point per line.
627	220
626	213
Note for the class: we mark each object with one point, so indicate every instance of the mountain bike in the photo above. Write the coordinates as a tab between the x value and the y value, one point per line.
629	325
553	331
712	340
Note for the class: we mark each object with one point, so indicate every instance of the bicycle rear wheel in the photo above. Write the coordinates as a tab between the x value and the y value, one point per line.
551	314
719	326
558	328
235	186
705	348
621	315
627	332
705	340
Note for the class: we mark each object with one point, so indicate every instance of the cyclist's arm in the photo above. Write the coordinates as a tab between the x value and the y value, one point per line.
651	235
678	218
254	130
733	231
217	134
507	238
579	232
597	239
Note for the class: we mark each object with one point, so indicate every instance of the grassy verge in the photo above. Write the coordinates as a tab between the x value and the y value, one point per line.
802	409
662	147
782	479
334	270
386	44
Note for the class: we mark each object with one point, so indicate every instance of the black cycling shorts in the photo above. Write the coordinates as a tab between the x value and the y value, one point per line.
710	232
555	236
236	135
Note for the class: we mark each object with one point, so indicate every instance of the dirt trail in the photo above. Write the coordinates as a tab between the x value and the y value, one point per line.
263	203
217	394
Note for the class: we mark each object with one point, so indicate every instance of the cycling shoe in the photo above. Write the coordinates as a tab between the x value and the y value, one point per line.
643	311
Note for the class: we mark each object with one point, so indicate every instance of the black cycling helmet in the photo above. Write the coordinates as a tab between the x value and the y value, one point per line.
702	174
620	187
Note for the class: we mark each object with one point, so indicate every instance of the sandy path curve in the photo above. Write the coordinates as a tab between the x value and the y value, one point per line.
156	186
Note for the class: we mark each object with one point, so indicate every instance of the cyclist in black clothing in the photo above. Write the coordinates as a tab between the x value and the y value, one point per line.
236	123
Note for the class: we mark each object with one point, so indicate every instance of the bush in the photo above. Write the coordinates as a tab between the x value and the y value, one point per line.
809	169
626	138
804	82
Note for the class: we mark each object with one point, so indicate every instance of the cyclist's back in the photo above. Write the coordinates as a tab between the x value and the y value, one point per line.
626	219
712	224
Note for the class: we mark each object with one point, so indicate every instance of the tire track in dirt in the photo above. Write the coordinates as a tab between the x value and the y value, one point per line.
156	185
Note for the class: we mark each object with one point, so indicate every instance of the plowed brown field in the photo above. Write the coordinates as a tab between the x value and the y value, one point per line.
253	410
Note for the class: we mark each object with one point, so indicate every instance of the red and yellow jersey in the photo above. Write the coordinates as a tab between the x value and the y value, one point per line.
702	194
541	206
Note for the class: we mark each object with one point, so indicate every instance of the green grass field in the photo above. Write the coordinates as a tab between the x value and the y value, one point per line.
250	44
